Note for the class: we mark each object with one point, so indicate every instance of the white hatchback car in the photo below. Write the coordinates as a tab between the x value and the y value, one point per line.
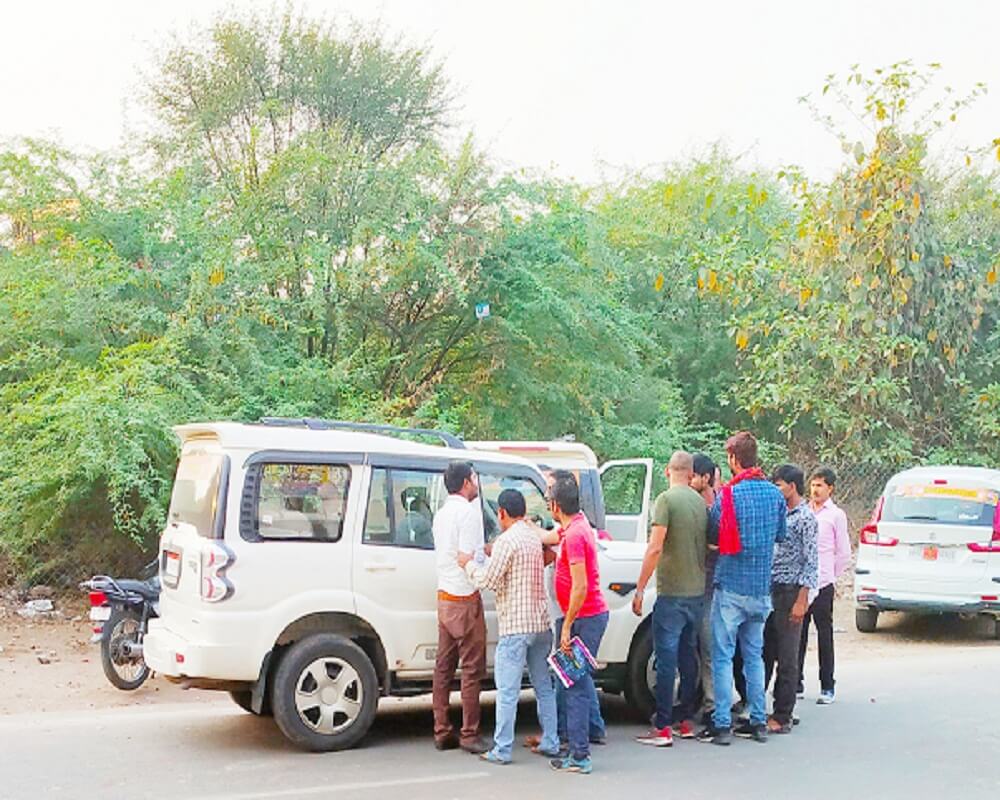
933	546
298	573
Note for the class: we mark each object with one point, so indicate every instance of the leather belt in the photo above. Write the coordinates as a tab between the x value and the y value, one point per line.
457	598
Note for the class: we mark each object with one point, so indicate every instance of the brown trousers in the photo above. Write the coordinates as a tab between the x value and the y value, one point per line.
461	636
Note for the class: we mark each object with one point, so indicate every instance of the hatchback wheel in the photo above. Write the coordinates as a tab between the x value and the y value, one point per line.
325	693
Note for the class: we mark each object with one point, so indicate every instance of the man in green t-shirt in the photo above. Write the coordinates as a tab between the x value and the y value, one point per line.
676	551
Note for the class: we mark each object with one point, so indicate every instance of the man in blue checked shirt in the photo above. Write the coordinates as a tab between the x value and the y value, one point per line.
751	514
794	575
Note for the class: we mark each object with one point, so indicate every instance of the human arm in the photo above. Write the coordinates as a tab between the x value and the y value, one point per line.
654	550
782	532
492	573
841	544
548	537
577	596
808	531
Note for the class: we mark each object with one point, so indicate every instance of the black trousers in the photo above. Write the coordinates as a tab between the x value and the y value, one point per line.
782	639
821	613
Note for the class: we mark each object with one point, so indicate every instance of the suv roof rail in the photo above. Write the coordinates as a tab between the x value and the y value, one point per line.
449	439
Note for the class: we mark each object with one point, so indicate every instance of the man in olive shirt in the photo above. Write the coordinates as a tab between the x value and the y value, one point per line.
677	548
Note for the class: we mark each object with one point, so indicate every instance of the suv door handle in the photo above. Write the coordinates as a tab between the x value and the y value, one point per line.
378	566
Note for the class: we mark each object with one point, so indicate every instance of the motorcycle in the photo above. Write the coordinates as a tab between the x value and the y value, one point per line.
120	610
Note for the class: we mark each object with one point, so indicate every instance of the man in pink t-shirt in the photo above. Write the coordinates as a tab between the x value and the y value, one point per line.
578	591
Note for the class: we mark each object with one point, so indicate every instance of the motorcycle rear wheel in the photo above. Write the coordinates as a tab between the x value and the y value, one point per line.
125	673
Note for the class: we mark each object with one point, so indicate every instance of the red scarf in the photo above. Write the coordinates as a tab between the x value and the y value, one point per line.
729	528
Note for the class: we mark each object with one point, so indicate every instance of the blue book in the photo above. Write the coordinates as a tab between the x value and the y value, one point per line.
570	667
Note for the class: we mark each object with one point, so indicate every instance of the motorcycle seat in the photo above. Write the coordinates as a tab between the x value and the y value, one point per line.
149	589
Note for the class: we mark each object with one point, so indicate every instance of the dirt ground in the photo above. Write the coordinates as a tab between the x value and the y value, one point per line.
74	681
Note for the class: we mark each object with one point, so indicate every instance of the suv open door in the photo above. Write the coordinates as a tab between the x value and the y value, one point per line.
626	485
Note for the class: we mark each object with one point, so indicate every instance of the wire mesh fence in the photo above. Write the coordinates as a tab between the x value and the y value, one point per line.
857	490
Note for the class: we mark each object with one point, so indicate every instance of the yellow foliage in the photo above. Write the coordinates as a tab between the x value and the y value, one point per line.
217	277
932	336
804	294
742	340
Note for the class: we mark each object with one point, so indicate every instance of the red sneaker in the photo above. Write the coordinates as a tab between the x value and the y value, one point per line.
657	737
685	729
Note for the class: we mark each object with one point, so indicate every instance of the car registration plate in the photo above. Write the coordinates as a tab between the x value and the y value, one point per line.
100	613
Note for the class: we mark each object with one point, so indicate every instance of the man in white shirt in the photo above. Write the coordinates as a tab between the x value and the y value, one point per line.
458	527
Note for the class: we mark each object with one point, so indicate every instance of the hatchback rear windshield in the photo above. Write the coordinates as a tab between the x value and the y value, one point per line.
949	505
196	491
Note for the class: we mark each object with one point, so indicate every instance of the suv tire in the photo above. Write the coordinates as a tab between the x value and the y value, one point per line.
866	619
638	690
244	699
325	693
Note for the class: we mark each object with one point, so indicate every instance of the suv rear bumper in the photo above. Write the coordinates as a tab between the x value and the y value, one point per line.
173	656
927	604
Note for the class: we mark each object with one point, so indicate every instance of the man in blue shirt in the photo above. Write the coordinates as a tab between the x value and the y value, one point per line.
751	514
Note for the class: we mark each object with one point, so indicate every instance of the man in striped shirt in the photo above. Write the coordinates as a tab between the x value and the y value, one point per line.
515	571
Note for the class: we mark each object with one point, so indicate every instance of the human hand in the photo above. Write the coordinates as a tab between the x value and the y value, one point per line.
637	602
798	612
564	638
488	548
463	559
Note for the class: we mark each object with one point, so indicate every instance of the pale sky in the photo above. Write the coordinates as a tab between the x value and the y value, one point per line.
581	89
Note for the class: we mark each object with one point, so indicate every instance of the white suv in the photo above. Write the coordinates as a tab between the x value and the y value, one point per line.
298	572
933	546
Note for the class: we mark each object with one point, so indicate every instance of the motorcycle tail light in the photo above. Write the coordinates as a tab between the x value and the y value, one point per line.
216	559
98	599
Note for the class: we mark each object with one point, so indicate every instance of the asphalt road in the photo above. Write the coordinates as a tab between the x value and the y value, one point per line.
917	726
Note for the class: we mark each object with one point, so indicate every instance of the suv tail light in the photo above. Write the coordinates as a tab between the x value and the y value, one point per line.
994	545
216	558
870	534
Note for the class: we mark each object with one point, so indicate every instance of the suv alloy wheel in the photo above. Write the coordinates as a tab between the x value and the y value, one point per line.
325	693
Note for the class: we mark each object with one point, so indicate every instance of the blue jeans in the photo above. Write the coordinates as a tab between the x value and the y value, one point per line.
580	696
598	730
675	627
738	617
513	654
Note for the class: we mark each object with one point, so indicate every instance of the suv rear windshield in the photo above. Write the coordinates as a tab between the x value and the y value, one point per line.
196	491
949	505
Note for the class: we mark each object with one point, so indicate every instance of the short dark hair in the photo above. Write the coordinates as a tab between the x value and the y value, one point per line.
825	474
565	491
792	474
703	465
456	474
743	447
512	501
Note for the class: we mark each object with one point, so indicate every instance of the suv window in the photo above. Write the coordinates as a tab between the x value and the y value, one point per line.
195	497
401	507
490	486
302	501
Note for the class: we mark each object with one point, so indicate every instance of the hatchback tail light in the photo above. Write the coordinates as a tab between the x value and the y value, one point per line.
994	545
870	534
216	558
